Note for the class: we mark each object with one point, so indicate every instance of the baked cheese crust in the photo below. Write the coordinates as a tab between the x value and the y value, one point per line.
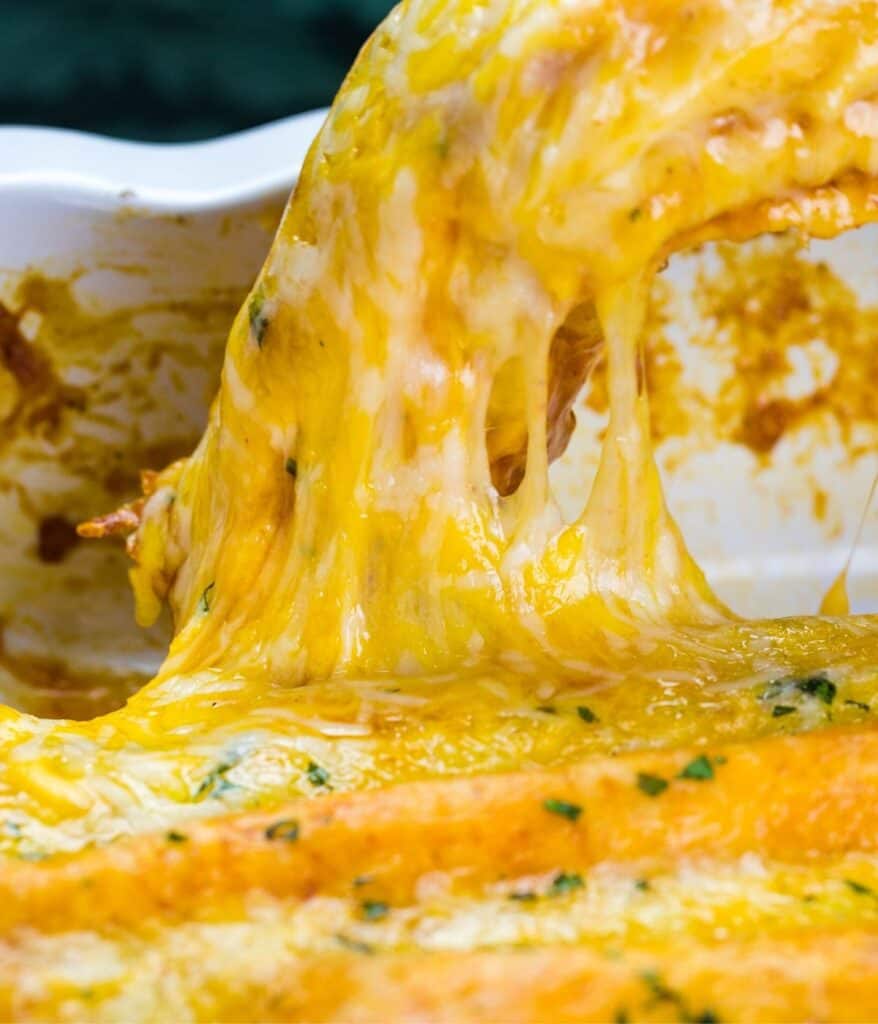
457	758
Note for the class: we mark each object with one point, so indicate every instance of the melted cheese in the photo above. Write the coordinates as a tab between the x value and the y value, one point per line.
372	584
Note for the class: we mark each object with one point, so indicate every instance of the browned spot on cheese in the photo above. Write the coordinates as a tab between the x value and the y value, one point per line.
119	523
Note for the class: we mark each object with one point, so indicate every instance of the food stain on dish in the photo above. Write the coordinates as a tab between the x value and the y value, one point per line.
789	342
32	397
88	398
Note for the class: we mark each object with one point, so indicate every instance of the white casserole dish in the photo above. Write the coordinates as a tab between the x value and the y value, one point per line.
121	265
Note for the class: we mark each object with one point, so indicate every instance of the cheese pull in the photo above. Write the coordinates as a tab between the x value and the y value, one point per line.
426	711
837	600
478	221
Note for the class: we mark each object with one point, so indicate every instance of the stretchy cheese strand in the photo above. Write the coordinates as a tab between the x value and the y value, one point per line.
375	596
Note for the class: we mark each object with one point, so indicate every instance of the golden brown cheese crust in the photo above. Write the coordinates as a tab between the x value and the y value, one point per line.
469	852
554	777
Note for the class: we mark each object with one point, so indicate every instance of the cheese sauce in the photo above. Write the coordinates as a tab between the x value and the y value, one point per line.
370	578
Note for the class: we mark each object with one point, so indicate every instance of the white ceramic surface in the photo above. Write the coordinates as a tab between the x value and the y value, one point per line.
194	177
125	263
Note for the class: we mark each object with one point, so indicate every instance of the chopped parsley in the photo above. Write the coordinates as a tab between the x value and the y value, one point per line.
651	785
563	809
565	883
586	714
286	829
635	214
642	884
658	989
858	704
215	782
292	467
353	945
701	770
819	686
317	776
859	888
547	709
204	600
175	837
259	322
662	993
374	910
780	710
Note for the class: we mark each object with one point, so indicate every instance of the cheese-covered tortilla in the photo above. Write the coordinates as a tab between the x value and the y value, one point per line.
555	777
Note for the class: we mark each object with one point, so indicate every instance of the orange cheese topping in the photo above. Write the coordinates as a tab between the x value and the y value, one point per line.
372	583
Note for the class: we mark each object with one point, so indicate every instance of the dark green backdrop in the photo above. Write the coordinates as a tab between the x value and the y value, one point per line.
174	69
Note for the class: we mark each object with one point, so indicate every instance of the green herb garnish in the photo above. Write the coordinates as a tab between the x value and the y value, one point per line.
701	770
547	709
204	600
780	710
259	322
662	993
642	884
523	897
215	783
563	809
317	776
659	990
374	910
286	829
586	714
859	888
175	837
651	785
292	467
858	704
353	945
819	686
564	883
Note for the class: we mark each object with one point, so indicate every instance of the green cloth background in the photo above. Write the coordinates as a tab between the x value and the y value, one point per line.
174	69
